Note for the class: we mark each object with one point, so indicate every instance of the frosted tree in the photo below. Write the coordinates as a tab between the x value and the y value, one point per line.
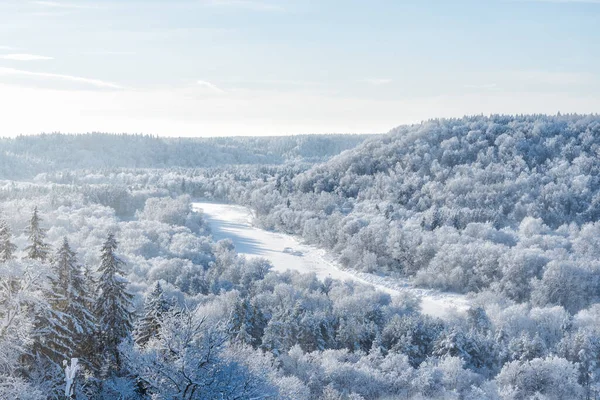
542	378
72	298
155	306
38	249
89	284
478	319
330	393
583	348
20	287
189	361
64	325
52	337
246	323
114	303
7	248
18	388
52	340
525	347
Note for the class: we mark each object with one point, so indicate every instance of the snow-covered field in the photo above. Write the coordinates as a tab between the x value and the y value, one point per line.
288	252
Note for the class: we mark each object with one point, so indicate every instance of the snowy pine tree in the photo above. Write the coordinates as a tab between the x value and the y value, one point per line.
38	249
114	304
51	338
72	298
155	306
246	323
89	285
7	248
90	348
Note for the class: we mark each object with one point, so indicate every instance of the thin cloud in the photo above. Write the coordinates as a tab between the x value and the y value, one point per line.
5	48
48	3
109	53
210	86
272	83
246	4
63	5
378	81
24	57
93	82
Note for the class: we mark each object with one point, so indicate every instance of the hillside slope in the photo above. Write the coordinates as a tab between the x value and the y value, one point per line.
503	203
499	169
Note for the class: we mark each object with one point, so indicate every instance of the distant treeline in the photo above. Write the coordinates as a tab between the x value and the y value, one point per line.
26	156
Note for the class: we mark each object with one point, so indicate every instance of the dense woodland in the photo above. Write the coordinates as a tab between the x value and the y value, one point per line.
113	266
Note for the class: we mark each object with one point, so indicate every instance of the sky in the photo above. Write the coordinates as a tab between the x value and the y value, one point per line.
280	67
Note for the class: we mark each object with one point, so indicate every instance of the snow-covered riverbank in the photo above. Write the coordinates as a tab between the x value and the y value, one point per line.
285	252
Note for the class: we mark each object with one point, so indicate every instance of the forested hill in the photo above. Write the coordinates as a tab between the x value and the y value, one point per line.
499	169
503	203
26	156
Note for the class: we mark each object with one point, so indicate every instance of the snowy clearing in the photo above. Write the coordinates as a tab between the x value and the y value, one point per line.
285	252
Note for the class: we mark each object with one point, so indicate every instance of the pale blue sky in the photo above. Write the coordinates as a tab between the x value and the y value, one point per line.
258	67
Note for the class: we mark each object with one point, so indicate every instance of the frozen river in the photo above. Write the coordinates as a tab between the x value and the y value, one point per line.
286	252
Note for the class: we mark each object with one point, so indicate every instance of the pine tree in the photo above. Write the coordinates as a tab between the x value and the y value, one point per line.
52	340
90	348
113	305
89	286
72	298
7	248
155	306
38	249
246	323
63	264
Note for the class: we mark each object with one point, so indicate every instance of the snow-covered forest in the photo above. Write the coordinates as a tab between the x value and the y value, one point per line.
104	260
26	156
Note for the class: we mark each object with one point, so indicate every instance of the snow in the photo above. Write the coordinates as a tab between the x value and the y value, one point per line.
70	374
287	252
